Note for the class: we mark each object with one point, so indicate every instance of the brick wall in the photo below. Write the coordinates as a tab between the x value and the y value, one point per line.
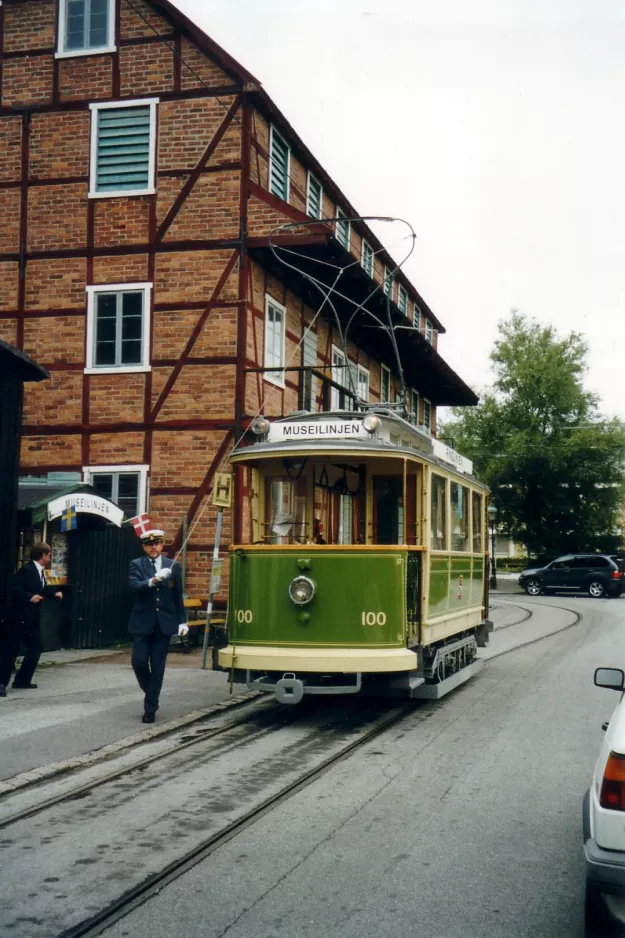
176	416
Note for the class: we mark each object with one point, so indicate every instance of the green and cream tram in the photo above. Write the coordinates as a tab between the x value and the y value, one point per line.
364	564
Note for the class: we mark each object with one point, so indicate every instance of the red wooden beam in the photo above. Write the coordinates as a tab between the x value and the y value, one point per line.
204	488
194	335
195	174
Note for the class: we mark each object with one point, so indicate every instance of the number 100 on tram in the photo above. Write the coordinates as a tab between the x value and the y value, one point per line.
363	567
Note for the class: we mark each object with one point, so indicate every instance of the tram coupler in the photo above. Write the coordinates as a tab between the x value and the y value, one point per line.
289	689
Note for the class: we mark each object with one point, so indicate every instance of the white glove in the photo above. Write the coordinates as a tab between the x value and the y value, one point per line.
183	629
163	573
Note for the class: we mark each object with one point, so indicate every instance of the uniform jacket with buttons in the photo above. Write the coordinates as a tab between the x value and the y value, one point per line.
162	603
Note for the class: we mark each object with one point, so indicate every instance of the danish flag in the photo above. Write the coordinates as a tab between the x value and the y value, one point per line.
141	524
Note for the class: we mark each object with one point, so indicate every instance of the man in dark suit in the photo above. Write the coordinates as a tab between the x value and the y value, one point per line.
21	624
158	613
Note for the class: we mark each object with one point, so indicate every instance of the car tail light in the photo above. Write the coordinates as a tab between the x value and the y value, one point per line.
613	787
616	575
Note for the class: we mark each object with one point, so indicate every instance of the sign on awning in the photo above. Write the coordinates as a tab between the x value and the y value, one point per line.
86	504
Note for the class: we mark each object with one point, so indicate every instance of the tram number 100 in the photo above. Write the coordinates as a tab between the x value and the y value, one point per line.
244	616
373	618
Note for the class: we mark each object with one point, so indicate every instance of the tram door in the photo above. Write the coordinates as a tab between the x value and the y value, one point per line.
388	510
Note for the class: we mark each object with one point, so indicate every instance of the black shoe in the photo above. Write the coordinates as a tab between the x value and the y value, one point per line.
147	718
24	686
3	690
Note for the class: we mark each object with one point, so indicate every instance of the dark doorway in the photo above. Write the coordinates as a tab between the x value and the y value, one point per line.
387	510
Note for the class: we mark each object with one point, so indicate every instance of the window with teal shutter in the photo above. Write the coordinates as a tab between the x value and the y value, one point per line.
402	300
388	282
279	156
343	229
314	197
123	149
366	258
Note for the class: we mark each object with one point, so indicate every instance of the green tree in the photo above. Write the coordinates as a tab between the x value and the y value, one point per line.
555	468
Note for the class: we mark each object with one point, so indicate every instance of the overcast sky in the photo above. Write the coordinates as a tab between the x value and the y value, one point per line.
496	127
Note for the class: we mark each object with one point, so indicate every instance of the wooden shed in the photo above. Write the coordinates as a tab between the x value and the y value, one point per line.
15	369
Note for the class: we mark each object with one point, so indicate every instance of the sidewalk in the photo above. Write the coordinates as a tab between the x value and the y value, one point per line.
88	699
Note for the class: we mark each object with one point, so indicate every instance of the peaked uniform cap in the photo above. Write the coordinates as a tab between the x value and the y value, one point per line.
151	536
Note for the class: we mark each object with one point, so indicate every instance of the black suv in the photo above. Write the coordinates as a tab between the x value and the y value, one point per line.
597	574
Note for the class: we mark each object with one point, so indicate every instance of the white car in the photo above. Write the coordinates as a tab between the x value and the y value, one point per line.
604	822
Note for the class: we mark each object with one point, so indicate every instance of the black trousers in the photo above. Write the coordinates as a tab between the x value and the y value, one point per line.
149	656
14	636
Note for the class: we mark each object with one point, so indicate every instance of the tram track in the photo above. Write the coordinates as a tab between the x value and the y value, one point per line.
183	741
192	735
150	887
203	750
164	819
577	618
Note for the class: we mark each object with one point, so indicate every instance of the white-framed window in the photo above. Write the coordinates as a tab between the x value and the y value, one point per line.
363	383
314	197
385	385
86	27
309	381
279	165
427	414
388	283
118	328
340	376
275	338
416	318
414	410
402	300
343	229
123	148
125	486
366	258
429	331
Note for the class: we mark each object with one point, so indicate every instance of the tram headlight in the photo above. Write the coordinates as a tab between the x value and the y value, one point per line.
260	426
301	590
371	423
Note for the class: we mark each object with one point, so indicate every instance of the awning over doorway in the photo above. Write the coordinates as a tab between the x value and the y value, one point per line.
46	502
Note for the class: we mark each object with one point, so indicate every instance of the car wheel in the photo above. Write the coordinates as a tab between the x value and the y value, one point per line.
597	920
596	589
533	588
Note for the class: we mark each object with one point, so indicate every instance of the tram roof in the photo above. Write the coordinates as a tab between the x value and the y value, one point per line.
341	433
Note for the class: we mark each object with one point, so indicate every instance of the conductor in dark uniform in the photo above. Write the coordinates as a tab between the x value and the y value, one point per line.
158	613
21	624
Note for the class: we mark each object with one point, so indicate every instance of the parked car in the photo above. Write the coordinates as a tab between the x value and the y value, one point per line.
597	574
604	822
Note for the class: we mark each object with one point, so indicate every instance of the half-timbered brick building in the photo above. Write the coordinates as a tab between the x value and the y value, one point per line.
143	176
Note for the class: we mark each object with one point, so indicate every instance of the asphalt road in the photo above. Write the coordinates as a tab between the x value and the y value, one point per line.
465	824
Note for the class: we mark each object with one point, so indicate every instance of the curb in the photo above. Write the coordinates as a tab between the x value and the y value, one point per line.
53	769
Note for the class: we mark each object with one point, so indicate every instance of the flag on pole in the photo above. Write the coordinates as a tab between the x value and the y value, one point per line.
141	524
69	521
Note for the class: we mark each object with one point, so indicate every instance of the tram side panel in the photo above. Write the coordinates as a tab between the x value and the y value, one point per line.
453	595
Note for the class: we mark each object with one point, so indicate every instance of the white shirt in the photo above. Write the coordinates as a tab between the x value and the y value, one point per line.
158	561
40	570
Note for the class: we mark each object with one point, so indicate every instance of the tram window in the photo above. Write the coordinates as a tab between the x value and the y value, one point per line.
438	535
459	517
477	523
339	510
388	510
286	520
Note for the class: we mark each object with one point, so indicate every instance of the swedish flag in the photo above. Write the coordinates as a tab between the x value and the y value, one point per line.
69	521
